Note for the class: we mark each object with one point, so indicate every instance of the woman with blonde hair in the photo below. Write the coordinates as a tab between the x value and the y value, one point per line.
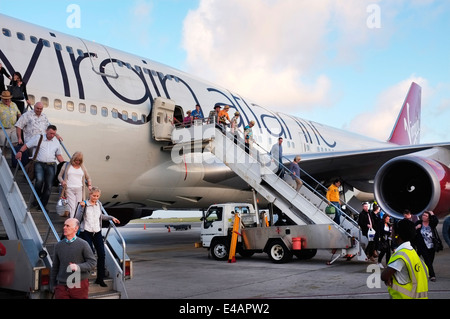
74	178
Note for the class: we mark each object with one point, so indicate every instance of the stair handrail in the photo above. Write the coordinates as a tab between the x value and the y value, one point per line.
30	183
228	134
111	224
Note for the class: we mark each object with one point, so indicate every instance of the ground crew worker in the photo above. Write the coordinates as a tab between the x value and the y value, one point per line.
406	274
333	198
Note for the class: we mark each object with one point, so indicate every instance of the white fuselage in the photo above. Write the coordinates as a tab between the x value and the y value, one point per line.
101	101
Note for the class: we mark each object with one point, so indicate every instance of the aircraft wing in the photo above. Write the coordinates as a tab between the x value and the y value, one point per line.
357	168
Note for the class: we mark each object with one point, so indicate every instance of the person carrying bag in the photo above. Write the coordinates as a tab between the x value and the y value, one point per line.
29	168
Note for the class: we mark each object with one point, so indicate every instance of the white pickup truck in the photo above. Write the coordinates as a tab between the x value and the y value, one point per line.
280	242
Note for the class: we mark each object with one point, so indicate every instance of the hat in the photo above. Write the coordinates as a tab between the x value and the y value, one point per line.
6	95
217	106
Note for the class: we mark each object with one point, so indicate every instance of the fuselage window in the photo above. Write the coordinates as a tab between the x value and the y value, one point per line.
80	53
44	101
82	108
124	115
104	111
57	46
69	49
93	109
6	32
34	40
46	43
115	113
134	116
57	104
20	36
70	106
31	98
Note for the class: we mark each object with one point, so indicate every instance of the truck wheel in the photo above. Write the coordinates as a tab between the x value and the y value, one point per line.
220	249
278	252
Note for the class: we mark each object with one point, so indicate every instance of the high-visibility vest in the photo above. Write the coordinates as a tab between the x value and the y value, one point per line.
417	288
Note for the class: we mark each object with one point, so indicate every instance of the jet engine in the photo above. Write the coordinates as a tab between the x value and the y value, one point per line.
414	182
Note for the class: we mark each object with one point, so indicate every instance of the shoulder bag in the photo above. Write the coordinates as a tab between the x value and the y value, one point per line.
29	168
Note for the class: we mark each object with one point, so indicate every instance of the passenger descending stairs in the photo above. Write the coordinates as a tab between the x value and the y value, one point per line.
257	169
44	229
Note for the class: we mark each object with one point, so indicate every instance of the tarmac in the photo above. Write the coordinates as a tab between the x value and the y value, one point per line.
166	265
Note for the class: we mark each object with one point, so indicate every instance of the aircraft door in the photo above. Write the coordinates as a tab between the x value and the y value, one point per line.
93	51
162	119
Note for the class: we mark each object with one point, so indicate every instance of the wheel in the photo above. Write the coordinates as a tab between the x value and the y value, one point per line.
278	252
220	249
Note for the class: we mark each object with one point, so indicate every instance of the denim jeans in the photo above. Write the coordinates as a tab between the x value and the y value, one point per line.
45	174
337	215
96	240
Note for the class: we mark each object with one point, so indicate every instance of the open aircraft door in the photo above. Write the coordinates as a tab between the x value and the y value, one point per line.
162	118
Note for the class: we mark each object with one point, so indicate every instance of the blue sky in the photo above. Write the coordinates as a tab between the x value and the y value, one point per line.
345	63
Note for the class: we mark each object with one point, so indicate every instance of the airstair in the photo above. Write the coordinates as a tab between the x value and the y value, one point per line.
28	236
256	167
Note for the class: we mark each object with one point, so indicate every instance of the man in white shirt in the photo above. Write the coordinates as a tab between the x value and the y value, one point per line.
45	165
33	122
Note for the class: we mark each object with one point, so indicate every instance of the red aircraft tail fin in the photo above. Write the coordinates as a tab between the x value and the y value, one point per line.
407	128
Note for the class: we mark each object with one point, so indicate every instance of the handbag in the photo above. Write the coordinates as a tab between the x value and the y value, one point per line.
62	205
29	168
371	234
330	210
438	246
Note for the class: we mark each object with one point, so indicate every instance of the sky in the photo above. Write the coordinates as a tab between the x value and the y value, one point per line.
344	63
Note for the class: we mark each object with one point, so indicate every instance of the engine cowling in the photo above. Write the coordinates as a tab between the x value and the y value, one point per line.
415	183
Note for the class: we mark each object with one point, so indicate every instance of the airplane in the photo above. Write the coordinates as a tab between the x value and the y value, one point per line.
109	105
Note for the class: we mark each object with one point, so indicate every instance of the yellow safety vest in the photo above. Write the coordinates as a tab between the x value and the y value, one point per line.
417	288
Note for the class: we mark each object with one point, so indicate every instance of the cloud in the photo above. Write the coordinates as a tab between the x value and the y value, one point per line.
379	119
274	52
296	56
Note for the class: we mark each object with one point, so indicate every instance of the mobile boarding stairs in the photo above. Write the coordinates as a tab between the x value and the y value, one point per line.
28	236
306	207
